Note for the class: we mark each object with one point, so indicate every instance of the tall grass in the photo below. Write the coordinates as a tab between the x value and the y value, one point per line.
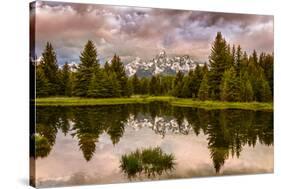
150	162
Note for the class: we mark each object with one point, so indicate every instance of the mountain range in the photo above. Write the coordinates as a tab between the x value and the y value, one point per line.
161	64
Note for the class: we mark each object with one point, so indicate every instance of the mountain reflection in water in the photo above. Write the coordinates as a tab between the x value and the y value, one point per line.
227	131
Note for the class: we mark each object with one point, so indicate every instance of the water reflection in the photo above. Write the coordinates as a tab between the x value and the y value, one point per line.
227	131
43	146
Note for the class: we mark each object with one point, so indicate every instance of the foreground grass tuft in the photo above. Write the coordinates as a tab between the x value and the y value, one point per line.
150	162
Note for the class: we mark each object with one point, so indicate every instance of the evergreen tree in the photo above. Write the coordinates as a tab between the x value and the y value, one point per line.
230	86
87	69
107	68
136	84
103	85
233	56
97	88
115	86
238	59
198	76
254	75
188	88
129	89
118	68
266	62
246	89
144	89
158	85
203	93
178	84
255	57
218	64
152	86
259	83
41	83
166	85
229	56
111	85
244	62
65	80
50	68
265	92
205	69
191	83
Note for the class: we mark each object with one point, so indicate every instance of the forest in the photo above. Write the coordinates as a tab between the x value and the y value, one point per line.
230	75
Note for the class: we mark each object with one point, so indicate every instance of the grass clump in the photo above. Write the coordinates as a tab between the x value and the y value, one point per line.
150	162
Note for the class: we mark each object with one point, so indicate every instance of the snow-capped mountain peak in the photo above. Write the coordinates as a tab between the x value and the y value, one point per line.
162	54
161	64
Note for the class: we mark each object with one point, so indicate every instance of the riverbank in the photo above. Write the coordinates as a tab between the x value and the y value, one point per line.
74	101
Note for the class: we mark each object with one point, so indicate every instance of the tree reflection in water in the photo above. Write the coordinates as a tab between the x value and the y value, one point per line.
43	147
227	131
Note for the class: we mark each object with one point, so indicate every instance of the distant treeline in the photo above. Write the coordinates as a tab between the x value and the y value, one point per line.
231	75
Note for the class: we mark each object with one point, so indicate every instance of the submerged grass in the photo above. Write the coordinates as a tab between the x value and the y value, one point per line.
74	101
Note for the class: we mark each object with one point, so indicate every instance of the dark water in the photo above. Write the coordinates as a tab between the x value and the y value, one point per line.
84	145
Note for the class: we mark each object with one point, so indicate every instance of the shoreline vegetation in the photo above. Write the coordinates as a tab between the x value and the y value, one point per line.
76	101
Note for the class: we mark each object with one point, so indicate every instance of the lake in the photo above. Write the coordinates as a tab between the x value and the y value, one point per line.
85	145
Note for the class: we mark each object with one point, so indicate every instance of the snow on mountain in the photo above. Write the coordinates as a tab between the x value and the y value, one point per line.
161	64
159	125
72	66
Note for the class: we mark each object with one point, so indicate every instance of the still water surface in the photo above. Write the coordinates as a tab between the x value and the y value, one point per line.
84	145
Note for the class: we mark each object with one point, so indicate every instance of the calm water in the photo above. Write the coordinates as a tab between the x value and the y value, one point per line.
84	145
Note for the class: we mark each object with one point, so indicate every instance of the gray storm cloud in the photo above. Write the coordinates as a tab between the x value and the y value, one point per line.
143	32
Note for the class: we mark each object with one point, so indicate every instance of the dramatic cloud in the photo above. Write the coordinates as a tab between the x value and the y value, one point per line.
143	32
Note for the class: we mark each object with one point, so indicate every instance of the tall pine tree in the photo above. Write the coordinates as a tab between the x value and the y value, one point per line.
65	87
144	82
88	67
238	57
136	84
118	68
203	93
107	67
230	86
49	66
198	76
246	89
178	84
218	64
41	83
153	85
188	88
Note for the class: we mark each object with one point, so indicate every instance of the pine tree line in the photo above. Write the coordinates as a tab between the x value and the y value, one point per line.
231	75
90	80
235	76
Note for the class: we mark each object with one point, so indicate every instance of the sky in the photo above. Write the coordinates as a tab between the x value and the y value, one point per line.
143	32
